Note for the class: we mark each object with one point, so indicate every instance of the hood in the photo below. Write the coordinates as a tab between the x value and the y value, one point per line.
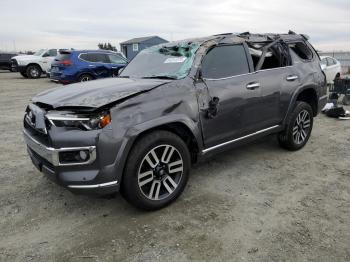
97	93
25	57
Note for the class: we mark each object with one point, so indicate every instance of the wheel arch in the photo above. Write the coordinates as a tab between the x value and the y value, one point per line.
180	126
36	64
307	94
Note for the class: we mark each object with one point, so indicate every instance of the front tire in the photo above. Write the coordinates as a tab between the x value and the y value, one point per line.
157	170
298	127
33	71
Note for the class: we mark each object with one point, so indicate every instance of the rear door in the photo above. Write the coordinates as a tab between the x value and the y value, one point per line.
98	64
277	78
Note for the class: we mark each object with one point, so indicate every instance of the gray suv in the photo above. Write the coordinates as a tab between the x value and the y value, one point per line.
173	105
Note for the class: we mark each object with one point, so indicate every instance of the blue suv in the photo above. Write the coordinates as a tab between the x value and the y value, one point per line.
72	66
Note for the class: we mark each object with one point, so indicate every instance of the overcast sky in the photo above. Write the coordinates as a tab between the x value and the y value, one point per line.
31	25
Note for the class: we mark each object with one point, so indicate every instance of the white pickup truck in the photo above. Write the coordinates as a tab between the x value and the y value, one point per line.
32	66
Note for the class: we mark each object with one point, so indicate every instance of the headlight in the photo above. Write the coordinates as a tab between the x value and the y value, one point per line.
79	121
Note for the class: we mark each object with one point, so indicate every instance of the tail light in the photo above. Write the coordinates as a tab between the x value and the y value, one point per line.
66	62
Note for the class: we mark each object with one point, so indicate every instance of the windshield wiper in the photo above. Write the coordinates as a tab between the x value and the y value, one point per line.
124	76
160	77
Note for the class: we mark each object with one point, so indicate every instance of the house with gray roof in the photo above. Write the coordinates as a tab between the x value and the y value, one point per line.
133	46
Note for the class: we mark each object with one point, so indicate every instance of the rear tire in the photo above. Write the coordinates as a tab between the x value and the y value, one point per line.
33	71
157	170
85	78
298	127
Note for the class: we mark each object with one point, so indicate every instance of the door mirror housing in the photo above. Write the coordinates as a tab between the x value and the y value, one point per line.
46	54
199	75
323	67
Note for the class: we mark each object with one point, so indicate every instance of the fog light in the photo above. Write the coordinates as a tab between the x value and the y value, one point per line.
78	156
83	155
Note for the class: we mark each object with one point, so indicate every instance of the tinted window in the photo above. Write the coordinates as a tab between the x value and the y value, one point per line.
98	58
301	50
324	61
95	57
116	59
63	56
52	52
225	61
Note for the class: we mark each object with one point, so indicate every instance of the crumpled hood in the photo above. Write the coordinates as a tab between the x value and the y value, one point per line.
97	93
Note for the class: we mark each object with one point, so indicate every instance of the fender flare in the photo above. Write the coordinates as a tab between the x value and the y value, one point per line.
134	132
293	99
36	64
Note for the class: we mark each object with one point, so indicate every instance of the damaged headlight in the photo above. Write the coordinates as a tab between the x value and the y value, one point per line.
79	121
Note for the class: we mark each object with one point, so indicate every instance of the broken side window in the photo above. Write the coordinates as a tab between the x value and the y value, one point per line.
301	50
276	55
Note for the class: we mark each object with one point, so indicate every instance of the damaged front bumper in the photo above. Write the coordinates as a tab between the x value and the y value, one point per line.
77	168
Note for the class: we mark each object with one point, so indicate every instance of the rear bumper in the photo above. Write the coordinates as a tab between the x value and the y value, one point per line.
83	177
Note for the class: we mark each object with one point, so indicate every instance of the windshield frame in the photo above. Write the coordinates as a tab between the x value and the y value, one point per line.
181	72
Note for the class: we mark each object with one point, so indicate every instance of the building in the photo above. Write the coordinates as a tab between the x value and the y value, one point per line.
342	56
131	47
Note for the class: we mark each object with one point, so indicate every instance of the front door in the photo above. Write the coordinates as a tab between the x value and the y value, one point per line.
228	98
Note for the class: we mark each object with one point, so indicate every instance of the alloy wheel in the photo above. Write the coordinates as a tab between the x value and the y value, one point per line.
85	79
301	127
160	172
34	72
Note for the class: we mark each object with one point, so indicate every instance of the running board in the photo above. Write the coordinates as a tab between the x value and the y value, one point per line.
239	139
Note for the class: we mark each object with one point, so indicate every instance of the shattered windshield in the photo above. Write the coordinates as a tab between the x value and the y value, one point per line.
172	61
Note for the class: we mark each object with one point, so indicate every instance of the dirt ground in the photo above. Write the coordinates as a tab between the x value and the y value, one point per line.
255	203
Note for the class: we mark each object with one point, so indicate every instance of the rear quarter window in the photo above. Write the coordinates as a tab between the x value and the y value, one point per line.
301	50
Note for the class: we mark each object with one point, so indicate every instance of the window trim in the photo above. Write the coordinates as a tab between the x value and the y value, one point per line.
135	45
228	77
301	59
91	61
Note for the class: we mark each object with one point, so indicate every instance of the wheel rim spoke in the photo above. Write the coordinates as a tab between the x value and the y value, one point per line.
301	127
154	191
175	167
160	172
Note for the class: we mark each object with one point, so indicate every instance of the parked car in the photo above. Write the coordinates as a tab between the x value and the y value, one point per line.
173	105
33	66
331	67
80	66
5	60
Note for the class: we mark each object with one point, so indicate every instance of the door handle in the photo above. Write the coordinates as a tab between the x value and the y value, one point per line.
292	78
114	67
252	86
92	66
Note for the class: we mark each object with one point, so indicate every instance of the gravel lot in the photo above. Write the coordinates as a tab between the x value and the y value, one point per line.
255	203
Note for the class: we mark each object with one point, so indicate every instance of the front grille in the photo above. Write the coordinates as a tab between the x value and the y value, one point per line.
38	134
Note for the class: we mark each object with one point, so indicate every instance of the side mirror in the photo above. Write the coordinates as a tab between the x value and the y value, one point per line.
199	75
323	67
46	55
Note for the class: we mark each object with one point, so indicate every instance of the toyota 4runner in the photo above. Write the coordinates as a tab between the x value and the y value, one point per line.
173	105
